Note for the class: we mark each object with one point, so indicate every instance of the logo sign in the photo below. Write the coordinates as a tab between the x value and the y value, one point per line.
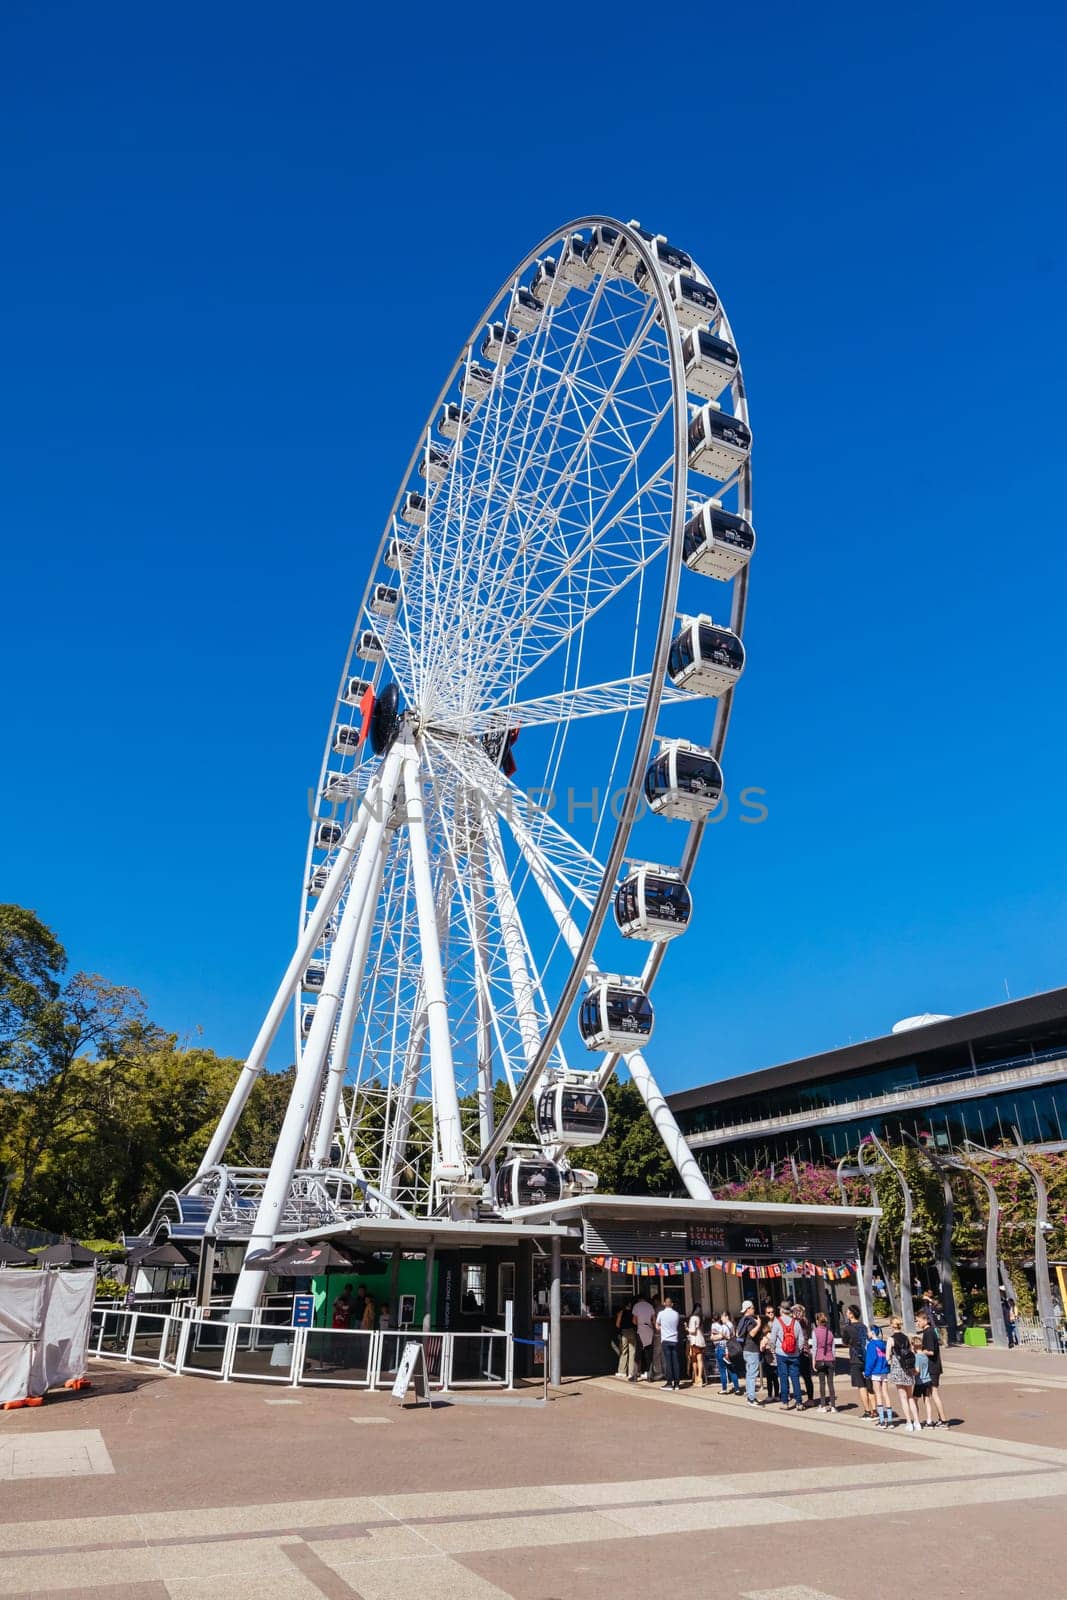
303	1311
705	1236
740	1236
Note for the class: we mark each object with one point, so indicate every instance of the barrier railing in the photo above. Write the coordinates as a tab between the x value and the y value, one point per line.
205	1345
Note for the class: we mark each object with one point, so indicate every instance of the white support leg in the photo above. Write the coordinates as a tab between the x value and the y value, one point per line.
335	1076
658	1109
481	955
310	937
522	986
309	1073
398	1134
451	1164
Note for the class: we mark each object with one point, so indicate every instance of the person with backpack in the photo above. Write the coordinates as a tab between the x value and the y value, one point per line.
749	1329
901	1358
787	1341
824	1355
931	1343
855	1335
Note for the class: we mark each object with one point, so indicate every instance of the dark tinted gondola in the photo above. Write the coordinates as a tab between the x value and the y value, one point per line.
384	600
413	510
719	444
500	343
434	463
717	543
683	781
317	882
345	739
369	646
327	834
525	311
399	553
527	1179
616	1014
574	269
453	421
336	789
705	659
314	977
652	903
711	364
355	689
571	1111
549	286
307	1017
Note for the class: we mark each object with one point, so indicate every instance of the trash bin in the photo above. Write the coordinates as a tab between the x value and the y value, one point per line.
975	1336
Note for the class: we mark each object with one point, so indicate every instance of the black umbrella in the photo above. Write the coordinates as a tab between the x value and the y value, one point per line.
65	1254
301	1260
158	1255
12	1255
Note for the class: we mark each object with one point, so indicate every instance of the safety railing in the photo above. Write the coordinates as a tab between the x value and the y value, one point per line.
205	1345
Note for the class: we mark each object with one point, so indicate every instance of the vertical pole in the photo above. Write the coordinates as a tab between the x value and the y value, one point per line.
309	1072
451	1162
1041	1229
310	937
427	1292
555	1314
861	1287
485	1039
696	1185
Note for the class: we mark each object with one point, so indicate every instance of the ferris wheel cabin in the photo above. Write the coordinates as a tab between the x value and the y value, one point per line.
399	553
317	882
526	1179
710	364
453	421
616	1014
384	600
370	647
500	343
696	304
719	444
683	782
413	511
307	1017
346	739
716	543
526	311
476	383
652	903
337	789
548	285
571	1111
705	659
327	834
314	977
434	463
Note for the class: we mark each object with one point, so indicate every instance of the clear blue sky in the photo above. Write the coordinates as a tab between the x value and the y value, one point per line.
243	243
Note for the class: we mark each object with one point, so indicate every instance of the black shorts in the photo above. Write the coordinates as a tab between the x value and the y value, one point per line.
859	1381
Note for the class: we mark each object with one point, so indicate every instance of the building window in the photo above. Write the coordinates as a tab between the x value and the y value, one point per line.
505	1285
472	1288
583	1287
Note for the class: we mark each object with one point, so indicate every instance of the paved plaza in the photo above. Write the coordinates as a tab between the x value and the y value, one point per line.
151	1487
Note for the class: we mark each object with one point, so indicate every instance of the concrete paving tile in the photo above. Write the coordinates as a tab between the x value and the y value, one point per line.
280	1514
932	1497
377	1544
222	1558
795	1591
49	1575
72	1531
691	1516
57	1453
282	1586
436	1577
468	1502
511	1533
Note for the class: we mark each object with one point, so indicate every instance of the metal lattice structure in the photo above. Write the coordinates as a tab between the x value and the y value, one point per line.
577	503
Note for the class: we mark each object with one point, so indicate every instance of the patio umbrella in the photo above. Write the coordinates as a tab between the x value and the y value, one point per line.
158	1255
65	1254
302	1260
12	1255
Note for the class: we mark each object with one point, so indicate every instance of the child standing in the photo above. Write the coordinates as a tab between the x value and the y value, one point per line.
876	1367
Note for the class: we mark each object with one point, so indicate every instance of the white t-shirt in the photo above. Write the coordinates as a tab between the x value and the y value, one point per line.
645	1318
668	1322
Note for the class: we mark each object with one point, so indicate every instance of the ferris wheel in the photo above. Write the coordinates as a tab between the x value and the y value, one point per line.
539	683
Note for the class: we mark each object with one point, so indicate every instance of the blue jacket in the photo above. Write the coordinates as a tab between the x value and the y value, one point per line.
875	1364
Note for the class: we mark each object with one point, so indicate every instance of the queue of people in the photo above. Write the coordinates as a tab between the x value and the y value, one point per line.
776	1355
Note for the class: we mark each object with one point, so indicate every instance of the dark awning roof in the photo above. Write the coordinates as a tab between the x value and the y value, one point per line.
1036	1009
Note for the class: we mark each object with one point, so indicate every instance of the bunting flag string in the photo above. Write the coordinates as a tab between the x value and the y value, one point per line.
832	1271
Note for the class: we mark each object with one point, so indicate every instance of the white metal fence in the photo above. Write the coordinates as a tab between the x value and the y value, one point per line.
203	1344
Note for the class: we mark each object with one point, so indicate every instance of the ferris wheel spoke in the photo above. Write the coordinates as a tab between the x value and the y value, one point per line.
569	705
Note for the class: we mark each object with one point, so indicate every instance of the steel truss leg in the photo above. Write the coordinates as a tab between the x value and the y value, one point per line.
310	937
684	1160
309	1072
353	988
451	1163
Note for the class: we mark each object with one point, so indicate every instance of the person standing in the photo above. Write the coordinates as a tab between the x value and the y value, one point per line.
645	1323
787	1342
931	1343
876	1368
901	1358
749	1329
697	1343
855	1336
1011	1322
627	1337
806	1375
824	1357
722	1331
770	1368
669	1327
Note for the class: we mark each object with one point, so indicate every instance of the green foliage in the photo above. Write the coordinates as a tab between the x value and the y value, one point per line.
631	1159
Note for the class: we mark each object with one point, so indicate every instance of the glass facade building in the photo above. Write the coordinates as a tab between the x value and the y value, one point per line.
978	1076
